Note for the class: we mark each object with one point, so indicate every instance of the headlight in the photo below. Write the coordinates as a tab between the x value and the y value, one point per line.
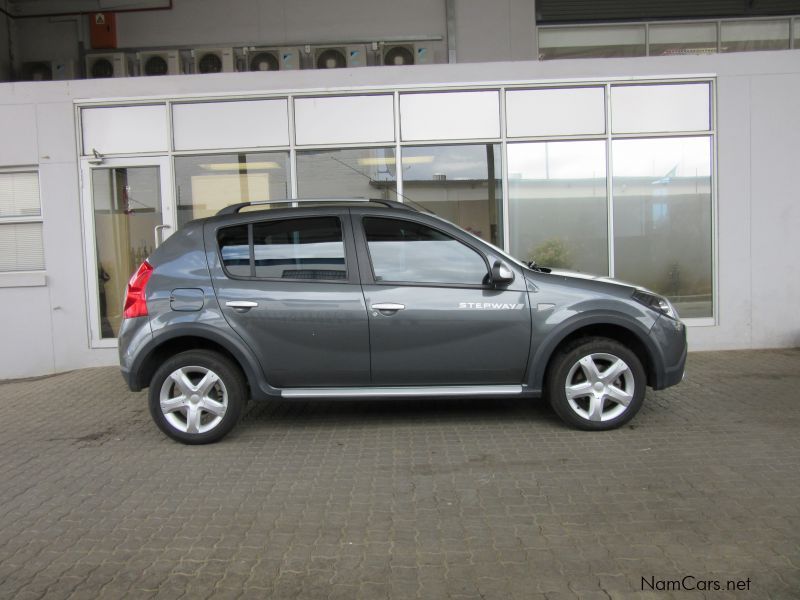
656	302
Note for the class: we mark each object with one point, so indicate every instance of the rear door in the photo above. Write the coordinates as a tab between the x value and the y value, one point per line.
288	285
434	318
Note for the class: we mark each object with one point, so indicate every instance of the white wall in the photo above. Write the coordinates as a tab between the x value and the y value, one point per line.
45	329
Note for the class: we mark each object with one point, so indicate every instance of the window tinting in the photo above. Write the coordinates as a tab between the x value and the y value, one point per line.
299	249
411	252
235	250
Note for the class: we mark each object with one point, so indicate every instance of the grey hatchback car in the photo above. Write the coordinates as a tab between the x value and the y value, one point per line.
367	298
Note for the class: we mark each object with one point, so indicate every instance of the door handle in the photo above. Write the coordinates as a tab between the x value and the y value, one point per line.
388	307
157	233
241	305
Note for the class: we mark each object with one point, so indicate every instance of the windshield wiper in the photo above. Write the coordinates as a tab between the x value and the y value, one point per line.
534	267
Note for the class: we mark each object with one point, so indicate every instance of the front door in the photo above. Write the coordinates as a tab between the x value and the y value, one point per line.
127	213
433	318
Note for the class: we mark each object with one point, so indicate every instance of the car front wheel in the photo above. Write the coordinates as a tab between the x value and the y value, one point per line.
196	397
596	384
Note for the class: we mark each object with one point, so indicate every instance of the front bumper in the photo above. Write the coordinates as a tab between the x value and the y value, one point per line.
670	337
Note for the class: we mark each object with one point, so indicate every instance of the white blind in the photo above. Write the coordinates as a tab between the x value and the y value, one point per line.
21	247
19	195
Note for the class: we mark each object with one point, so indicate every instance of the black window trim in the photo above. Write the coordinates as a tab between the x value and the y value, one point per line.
482	286
251	245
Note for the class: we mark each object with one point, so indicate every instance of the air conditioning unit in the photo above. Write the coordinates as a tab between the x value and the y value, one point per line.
213	60
159	62
340	57
107	64
407	54
47	70
272	59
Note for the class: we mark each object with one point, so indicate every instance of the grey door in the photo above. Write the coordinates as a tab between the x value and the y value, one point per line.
289	287
434	319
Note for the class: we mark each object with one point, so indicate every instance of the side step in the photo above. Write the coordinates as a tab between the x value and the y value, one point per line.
433	391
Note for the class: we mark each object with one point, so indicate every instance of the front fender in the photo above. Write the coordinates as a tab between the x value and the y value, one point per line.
547	345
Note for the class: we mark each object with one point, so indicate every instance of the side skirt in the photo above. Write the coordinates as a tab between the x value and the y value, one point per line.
405	392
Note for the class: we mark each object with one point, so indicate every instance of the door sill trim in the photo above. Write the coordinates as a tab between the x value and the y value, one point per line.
403	391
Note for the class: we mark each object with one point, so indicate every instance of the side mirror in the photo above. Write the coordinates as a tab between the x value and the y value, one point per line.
501	273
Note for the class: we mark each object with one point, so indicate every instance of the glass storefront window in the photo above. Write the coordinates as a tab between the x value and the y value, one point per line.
347	173
749	36
208	183
674	39
662	218
462	184
127	208
592	42
558	204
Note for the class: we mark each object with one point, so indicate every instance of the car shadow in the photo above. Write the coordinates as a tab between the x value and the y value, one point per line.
311	413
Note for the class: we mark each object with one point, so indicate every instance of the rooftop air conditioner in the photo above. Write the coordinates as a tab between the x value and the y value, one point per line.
107	64
159	62
340	57
272	59
213	60
407	54
47	70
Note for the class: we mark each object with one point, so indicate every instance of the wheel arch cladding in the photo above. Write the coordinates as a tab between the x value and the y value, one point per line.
622	330
165	347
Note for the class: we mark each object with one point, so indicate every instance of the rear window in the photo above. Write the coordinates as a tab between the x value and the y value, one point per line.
302	249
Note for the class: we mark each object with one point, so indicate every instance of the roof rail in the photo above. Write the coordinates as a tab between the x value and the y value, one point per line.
235	208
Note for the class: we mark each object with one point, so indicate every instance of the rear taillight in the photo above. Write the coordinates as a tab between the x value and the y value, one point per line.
135	303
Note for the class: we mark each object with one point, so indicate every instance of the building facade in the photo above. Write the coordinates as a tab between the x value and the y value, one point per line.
673	172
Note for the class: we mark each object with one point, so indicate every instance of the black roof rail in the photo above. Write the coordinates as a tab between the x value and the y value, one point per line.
235	208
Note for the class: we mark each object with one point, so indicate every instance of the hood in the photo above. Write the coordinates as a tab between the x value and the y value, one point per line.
590	277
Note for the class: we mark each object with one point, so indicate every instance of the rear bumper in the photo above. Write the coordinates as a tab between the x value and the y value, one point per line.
670	337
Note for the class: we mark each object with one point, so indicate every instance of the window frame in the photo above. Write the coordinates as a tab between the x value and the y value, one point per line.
249	223
25	219
368	277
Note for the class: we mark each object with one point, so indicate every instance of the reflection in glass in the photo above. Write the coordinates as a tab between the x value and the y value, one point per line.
309	248
662	218
749	36
673	39
402	251
208	183
459	183
557	204
127	208
591	42
347	173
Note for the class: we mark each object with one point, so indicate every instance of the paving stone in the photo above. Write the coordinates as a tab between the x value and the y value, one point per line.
418	499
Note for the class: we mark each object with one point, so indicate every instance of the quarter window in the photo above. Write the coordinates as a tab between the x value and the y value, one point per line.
404	251
235	249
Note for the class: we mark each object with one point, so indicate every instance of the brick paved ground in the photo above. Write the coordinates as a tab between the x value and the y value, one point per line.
436	499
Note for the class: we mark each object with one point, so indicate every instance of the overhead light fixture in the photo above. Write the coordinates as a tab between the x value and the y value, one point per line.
250	166
390	160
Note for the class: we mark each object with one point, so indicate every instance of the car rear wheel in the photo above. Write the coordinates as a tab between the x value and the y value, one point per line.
197	397
596	384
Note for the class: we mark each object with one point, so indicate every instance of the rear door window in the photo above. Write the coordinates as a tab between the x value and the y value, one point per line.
303	249
310	248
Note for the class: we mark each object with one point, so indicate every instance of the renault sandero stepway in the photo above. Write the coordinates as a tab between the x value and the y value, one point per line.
364	298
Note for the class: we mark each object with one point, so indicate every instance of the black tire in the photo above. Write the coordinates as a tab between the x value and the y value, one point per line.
228	391
566	368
